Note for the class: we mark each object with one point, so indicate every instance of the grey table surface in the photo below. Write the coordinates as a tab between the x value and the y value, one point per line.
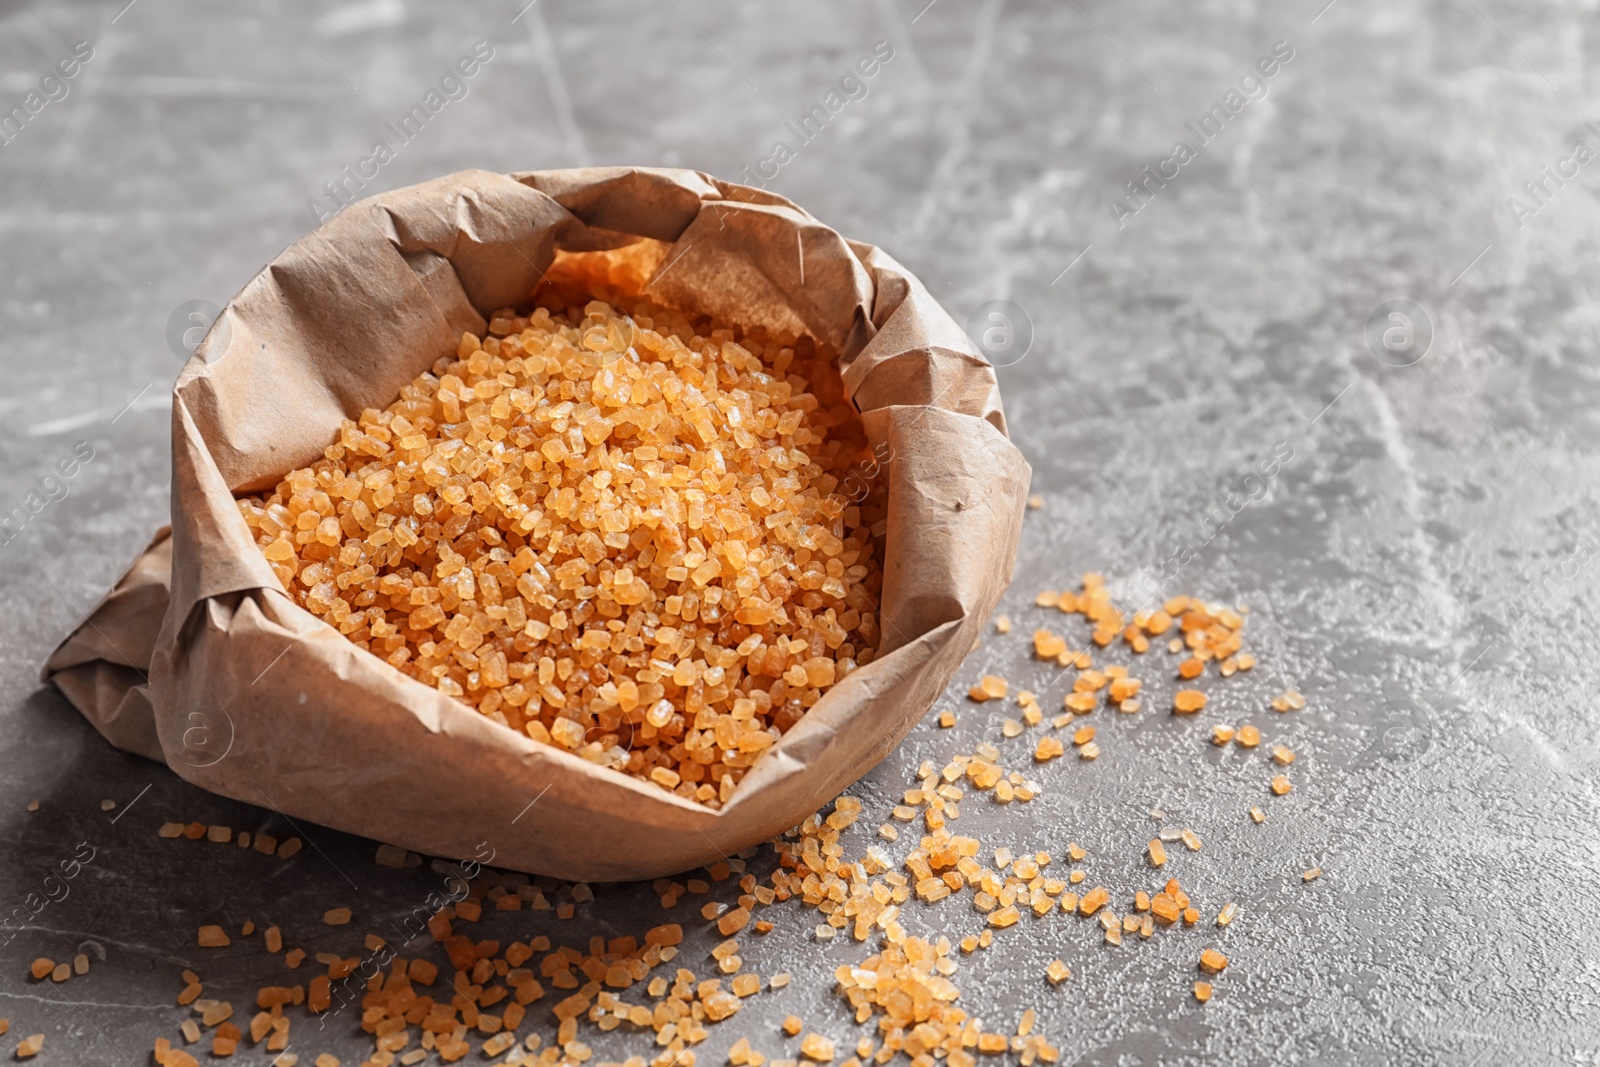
1420	568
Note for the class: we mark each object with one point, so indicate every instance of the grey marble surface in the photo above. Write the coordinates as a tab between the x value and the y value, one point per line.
1419	569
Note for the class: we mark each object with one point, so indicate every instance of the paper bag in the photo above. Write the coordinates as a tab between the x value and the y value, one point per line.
200	659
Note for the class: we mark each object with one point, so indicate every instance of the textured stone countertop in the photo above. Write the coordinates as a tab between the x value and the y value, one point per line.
1419	565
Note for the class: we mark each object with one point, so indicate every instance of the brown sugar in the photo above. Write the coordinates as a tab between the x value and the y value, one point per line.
906	982
817	1048
1093	900
212	937
607	526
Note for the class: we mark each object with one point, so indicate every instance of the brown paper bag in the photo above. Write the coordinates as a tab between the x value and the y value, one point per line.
250	696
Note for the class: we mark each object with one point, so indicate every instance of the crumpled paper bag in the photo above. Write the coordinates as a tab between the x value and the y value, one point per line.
198	657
